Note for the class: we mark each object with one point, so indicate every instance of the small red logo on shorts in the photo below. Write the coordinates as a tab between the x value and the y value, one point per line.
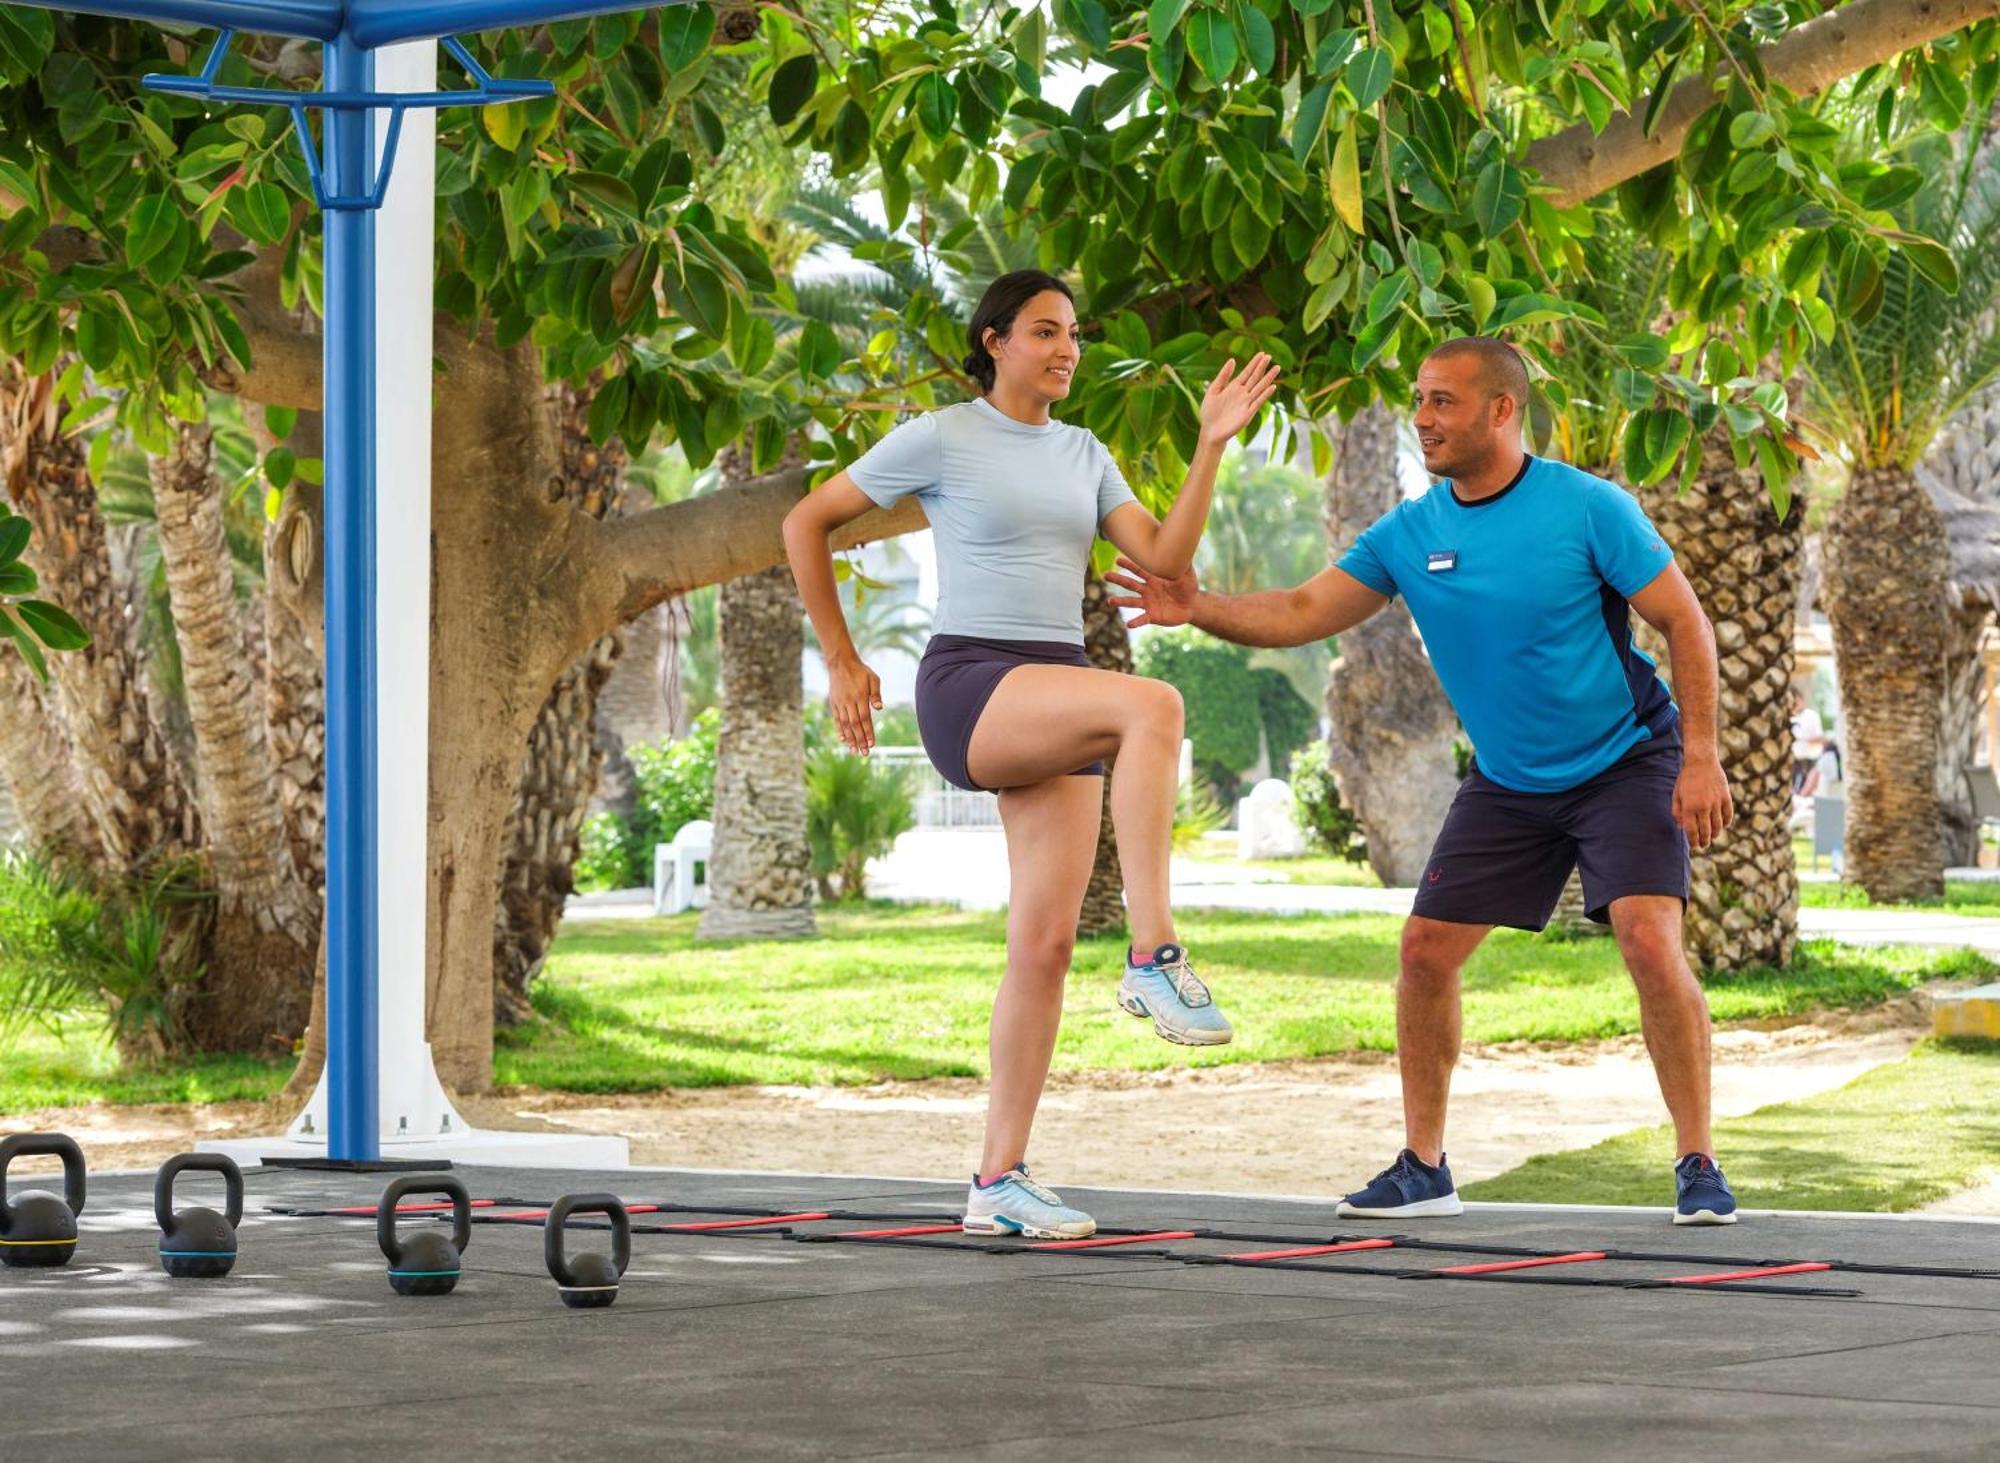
1432	876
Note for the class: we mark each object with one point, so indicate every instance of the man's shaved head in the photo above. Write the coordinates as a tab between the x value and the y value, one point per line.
1500	365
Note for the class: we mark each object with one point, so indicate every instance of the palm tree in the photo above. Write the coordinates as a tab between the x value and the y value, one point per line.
1906	356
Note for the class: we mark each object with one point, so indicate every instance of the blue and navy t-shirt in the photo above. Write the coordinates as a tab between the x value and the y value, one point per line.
1522	602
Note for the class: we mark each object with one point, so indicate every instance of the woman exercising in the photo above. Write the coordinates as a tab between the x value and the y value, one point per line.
1007	700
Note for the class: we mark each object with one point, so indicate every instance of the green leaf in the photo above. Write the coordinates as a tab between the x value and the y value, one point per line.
14	534
18	578
264	212
936	105
1335	51
1749	129
607	408
281	465
819	351
700	299
613	193
1930	259
30	651
1346	183
1481	295
151	228
708	127
1030	36
1387	295
1368	75
1260	39
1498	196
1886	190
1310	122
1661	90
1211	40
685	31
1164	16
792	86
56	627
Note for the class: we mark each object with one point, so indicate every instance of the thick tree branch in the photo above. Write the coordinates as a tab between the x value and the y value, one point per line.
286	351
1580	164
646	559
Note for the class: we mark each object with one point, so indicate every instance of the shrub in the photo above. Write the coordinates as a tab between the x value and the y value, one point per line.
855	809
673	785
1318	810
1197	813
128	946
1230	703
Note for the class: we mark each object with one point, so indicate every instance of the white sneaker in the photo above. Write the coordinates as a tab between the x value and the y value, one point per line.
1016	1204
1166	990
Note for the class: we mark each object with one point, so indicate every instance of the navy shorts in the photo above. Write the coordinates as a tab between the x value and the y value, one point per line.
958	676
1503	857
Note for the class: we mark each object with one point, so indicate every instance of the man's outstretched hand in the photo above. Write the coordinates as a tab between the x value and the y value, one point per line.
1160	601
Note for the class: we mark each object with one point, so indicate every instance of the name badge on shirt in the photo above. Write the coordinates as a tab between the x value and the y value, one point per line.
1443	560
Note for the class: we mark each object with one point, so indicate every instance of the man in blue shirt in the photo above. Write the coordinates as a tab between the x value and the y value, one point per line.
1521	573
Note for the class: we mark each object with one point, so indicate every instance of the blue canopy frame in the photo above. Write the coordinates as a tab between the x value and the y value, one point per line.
350	188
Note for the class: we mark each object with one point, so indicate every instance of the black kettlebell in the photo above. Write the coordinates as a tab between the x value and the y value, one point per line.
590	1281
38	1229
424	1263
198	1244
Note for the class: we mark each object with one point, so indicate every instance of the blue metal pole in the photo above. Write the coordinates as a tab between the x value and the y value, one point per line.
353	1116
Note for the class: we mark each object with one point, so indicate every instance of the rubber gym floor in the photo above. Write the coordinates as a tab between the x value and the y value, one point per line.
753	1342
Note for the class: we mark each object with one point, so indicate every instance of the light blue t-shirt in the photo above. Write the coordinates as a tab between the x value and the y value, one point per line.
1522	602
1013	508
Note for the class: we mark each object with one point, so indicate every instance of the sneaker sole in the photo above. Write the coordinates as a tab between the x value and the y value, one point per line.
1444	1208
1705	1216
1000	1226
1136	1006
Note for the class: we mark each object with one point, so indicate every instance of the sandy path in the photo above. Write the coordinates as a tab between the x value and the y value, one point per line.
1305	1127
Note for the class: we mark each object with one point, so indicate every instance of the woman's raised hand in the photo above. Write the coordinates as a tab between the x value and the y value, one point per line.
1234	398
854	695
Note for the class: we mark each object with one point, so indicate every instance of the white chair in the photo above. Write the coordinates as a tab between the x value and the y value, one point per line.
1264	826
680	868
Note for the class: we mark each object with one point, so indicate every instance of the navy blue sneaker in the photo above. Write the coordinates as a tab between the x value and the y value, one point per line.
1703	1194
1409	1188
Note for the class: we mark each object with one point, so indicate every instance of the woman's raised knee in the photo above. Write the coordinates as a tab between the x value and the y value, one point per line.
1155	707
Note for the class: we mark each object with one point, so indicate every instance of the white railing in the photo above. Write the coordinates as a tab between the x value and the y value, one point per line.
938	803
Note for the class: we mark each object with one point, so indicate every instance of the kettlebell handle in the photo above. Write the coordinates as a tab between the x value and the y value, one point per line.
422	1184
173	1168
53	1145
608	1205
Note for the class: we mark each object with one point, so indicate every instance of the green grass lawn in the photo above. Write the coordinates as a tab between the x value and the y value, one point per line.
905	994
1961	896
1314	868
1895	1138
898	992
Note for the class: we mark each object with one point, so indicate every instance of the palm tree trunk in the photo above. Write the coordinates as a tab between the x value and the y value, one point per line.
1389	746
1958	728
1744	565
559	773
1887	565
760	881
39	767
1109	646
258	987
128	779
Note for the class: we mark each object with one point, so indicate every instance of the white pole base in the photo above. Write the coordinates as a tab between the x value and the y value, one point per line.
476	1146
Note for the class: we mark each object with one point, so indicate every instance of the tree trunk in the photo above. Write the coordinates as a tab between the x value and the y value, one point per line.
1887	565
1389	745
129	781
559	773
1109	646
39	767
1965	460
1958	730
760	883
258	987
1744	565
294	607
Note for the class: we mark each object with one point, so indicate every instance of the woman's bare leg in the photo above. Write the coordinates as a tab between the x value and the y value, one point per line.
1051	844
1046	720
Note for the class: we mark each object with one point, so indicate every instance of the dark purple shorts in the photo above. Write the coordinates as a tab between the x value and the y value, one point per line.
1503	857
955	680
